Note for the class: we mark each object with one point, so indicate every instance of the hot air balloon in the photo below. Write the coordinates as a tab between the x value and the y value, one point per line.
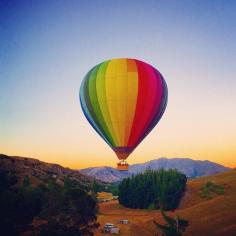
123	99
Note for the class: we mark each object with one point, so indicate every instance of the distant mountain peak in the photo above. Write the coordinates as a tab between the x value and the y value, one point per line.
191	168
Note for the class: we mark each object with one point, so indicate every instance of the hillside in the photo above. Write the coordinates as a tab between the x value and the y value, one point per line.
206	217
58	200
191	168
40	172
215	216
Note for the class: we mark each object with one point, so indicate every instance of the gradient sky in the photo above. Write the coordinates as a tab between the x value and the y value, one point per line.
46	48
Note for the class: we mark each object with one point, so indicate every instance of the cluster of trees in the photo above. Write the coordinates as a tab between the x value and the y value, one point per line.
62	208
153	189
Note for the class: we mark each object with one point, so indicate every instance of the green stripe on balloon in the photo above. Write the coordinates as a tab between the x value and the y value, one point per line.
102	99
92	91
87	108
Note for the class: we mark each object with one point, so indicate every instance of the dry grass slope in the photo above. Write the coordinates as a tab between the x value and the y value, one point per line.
206	217
215	216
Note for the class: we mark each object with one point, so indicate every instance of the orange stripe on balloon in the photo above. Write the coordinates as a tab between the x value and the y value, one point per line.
121	87
132	93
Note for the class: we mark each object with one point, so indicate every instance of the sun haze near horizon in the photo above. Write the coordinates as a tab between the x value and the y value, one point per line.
47	48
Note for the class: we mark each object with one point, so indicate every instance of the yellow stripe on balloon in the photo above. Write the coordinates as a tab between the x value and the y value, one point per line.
132	94
111	93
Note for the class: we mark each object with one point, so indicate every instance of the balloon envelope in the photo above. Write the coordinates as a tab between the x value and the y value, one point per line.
123	99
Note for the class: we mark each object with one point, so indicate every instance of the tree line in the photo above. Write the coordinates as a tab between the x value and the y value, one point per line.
153	189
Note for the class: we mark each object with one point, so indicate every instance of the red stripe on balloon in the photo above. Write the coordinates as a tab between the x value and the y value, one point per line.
146	96
155	106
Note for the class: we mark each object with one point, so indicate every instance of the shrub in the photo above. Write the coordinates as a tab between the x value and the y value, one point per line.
209	189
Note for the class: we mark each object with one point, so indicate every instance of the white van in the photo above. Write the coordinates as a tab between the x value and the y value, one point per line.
109	225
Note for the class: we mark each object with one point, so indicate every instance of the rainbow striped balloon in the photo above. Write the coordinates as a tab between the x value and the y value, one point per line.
123	99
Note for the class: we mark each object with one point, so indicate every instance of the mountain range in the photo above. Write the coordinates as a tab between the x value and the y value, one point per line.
40	171
191	168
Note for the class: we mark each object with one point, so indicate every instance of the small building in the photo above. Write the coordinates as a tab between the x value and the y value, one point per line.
123	221
115	230
105	199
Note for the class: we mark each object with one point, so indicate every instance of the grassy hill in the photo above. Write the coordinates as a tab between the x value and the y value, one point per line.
215	216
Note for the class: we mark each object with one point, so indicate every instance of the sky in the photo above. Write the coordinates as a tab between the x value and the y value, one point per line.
47	47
